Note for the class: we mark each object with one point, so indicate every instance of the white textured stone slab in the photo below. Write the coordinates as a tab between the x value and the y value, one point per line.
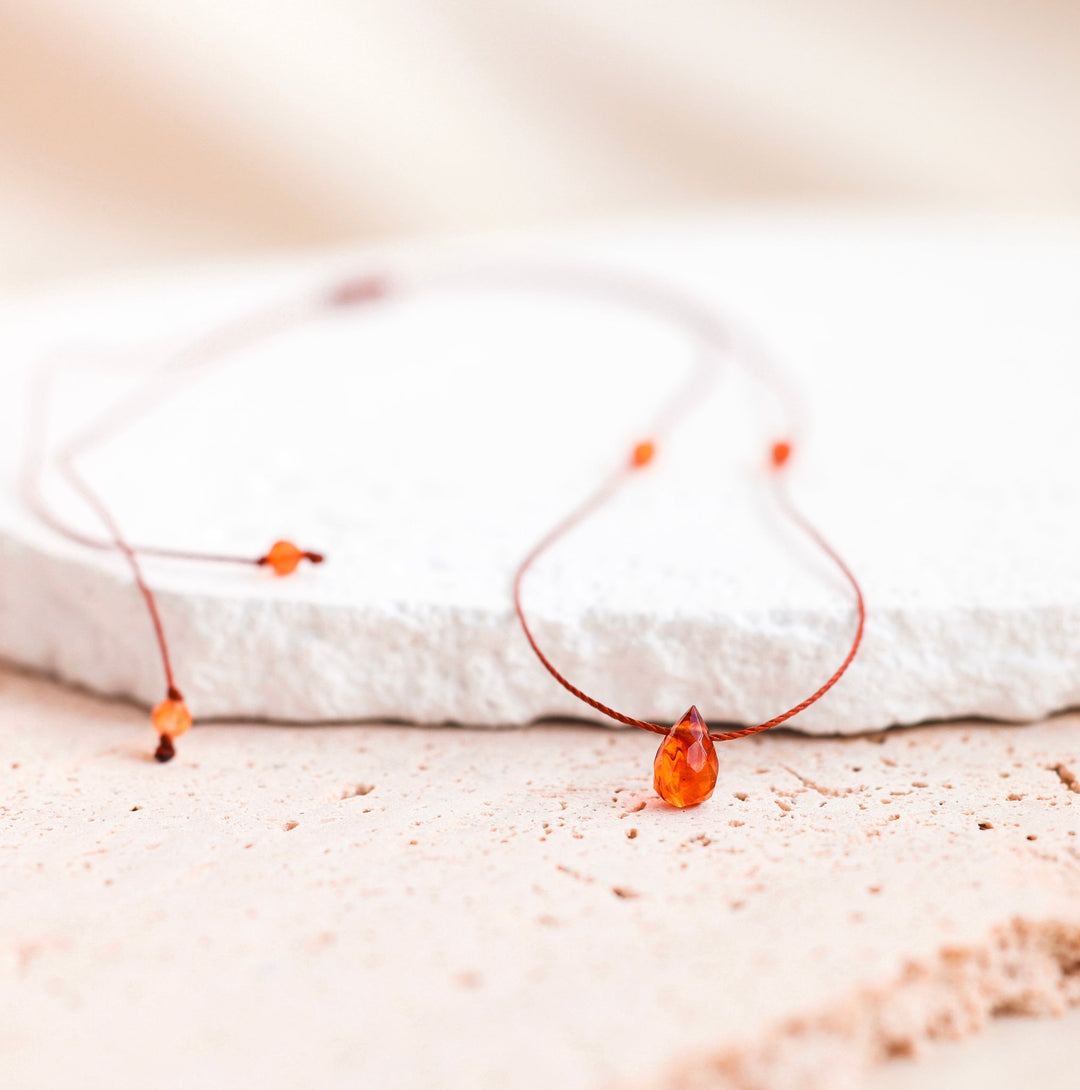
424	444
359	906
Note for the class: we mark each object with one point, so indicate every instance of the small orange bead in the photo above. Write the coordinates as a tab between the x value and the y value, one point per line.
643	453
686	766
781	452
171	718
284	557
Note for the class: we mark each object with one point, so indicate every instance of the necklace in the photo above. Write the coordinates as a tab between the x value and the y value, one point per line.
686	766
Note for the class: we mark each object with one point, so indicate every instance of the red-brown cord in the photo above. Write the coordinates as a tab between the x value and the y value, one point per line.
779	458
365	289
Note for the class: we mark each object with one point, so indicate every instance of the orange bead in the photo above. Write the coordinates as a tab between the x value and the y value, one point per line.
284	557
643	453
171	718
686	766
781	452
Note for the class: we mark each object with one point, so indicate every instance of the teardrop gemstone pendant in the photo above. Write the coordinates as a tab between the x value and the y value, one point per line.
686	766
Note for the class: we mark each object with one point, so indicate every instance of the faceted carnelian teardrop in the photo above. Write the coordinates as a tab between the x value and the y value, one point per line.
686	766
171	717
284	557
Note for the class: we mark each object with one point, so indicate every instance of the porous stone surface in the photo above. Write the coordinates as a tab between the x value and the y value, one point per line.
426	443
362	906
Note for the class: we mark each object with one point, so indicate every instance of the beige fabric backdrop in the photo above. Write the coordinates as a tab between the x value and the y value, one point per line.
142	130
